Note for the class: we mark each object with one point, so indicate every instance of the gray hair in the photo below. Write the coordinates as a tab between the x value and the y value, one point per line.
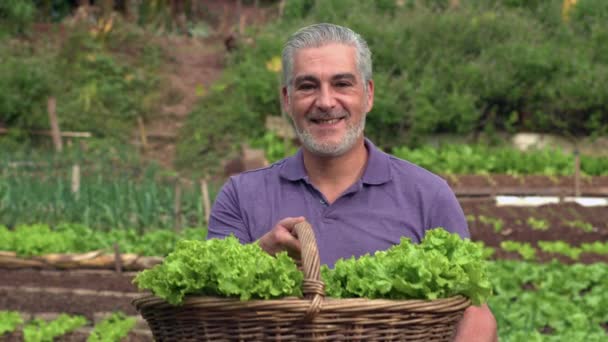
321	34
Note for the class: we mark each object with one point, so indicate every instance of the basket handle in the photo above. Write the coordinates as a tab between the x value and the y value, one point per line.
312	286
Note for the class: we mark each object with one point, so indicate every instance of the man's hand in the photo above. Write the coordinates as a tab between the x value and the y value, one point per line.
477	324
282	238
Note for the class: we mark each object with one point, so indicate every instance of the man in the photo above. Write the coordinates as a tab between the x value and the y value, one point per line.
357	198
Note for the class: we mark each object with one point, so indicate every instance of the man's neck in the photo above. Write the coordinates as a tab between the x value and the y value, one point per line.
333	175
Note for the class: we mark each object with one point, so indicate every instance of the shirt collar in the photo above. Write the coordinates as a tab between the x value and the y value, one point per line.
377	171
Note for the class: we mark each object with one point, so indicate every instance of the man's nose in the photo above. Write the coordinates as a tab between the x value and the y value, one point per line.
326	99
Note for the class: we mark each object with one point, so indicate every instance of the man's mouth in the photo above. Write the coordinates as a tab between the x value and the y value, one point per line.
329	121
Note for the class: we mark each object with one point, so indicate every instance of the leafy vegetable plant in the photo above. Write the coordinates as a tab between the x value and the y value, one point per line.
537	224
442	265
582	225
560	247
38	330
525	250
9	320
222	267
111	329
496	223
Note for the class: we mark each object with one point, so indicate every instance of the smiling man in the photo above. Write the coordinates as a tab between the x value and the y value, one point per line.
357	198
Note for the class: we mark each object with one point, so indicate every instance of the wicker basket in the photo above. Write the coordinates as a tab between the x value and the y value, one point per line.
314	318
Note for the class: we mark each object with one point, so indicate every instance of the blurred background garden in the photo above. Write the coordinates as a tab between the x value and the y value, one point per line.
125	117
145	93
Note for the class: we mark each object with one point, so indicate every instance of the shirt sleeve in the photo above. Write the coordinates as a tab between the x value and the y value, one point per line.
447	213
226	217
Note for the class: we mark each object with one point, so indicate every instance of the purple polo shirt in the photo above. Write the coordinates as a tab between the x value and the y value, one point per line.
393	199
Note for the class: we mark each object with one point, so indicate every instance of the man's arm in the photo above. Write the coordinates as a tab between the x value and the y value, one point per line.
477	324
226	217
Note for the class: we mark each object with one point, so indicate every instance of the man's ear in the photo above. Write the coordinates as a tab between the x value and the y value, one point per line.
370	95
285	99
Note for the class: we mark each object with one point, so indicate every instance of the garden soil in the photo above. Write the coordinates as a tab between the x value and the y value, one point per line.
90	292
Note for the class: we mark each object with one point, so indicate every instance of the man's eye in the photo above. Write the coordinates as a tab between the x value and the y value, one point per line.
342	84
306	86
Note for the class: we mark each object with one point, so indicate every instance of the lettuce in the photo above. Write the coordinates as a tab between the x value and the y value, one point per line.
442	265
222	267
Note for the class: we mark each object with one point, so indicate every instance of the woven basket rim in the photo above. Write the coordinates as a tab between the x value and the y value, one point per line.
294	304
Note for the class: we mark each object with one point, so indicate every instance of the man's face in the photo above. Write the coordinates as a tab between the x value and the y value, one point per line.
328	101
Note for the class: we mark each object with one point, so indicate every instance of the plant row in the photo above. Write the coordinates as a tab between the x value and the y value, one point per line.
115	189
110	329
102	200
528	252
453	159
550	302
484	159
534	223
40	239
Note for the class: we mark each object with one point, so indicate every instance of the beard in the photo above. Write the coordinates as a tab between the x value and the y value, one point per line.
331	149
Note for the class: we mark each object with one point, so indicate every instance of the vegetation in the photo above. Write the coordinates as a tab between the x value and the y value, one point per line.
524	249
111	329
225	268
38	330
39	239
530	301
484	159
509	66
444	265
441	266
116	190
496	223
9	321
537	224
103	78
528	252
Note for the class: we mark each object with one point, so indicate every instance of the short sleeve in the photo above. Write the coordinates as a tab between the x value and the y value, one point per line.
226	217
447	213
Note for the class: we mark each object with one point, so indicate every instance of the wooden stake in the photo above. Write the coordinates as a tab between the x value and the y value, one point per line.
239	13
117	258
281	8
177	206
55	132
142	135
205	199
65	134
242	23
577	173
76	179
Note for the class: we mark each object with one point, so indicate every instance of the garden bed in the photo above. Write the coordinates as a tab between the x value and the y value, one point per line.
91	292
497	184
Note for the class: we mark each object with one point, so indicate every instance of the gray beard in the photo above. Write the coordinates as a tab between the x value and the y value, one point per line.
332	150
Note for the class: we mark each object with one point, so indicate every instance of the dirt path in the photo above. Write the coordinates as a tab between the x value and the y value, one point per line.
194	65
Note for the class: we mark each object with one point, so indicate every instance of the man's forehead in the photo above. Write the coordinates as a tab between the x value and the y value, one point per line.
332	60
328	48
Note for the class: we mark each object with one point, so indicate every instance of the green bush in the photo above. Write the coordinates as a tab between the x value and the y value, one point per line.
102	82
15	16
25	85
486	66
